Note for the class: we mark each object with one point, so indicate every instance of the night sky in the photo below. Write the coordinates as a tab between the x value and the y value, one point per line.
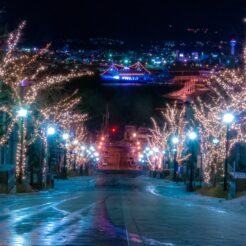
135	20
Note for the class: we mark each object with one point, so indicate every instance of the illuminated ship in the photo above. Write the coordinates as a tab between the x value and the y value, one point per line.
134	74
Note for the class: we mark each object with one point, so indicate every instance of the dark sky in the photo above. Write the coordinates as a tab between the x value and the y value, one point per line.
129	19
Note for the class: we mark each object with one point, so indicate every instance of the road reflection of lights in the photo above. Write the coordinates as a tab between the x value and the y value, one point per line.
152	190
50	226
18	240
217	210
189	205
71	226
22	214
108	227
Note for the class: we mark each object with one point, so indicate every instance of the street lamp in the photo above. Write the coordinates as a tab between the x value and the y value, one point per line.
51	131
192	137
228	119
175	141
65	136
215	140
22	112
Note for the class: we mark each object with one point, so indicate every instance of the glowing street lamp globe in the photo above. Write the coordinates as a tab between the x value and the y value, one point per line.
215	141
51	130
65	136
228	118
22	113
192	135
175	140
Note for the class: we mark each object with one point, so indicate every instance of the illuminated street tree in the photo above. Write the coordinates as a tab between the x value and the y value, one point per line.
227	95
24	77
61	115
177	126
158	143
174	125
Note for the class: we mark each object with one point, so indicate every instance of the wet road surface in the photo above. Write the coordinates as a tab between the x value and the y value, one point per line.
116	210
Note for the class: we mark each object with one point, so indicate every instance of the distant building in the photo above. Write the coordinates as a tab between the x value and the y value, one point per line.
124	154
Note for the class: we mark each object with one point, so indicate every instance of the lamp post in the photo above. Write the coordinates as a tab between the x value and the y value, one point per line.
215	141
175	141
74	161
65	137
75	143
163	160
22	114
50	133
228	119
192	137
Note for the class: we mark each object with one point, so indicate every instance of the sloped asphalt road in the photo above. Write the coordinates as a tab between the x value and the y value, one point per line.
117	210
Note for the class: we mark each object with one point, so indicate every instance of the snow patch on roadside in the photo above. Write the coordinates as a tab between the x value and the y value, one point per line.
178	191
237	204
